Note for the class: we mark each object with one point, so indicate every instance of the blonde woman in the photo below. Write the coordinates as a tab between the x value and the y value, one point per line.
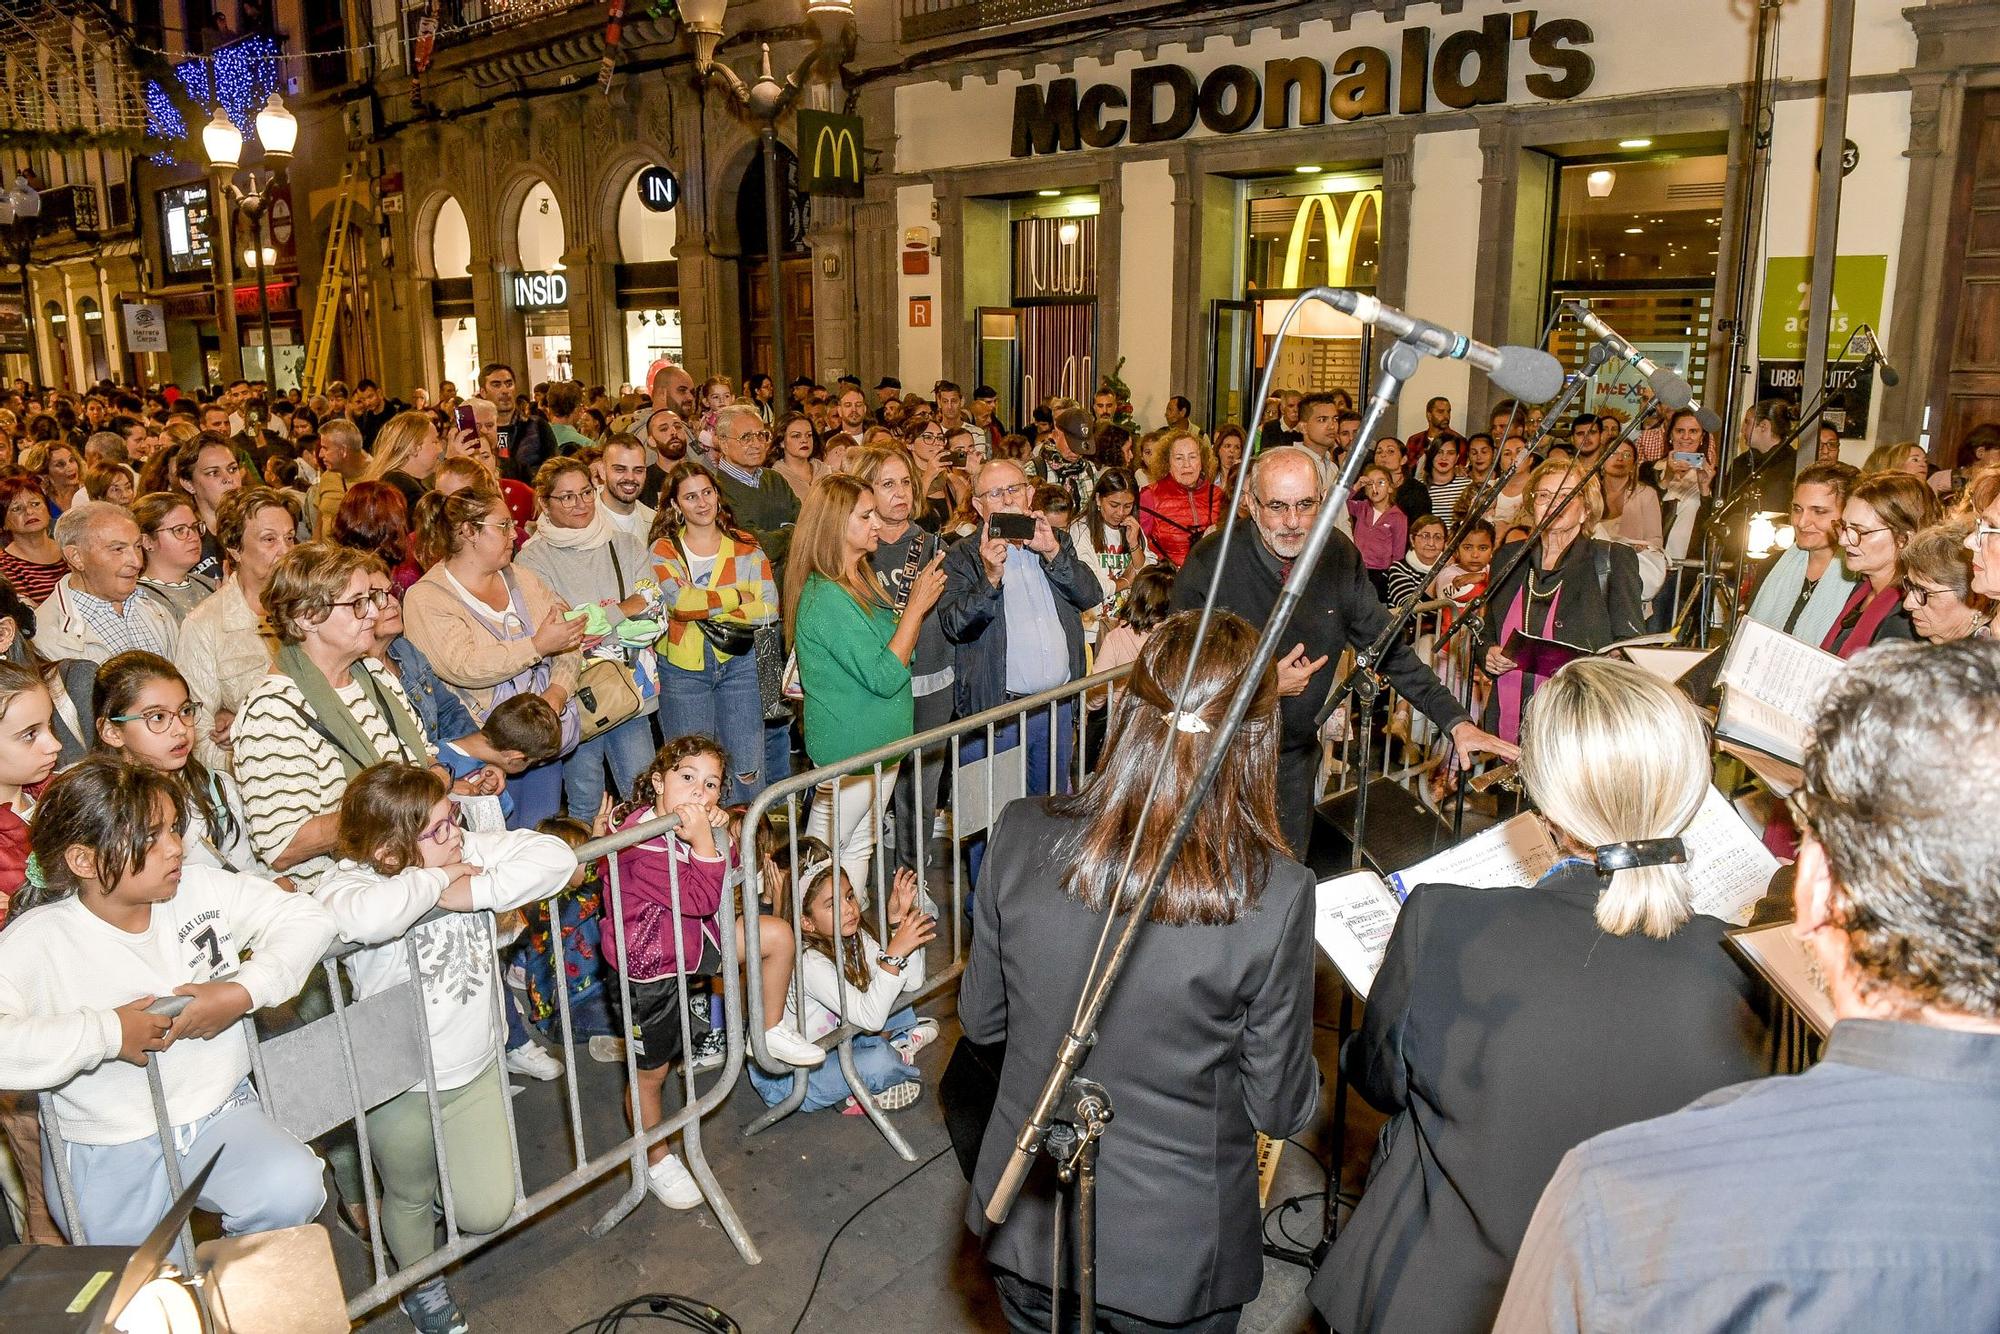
1533	1018
854	650
406	452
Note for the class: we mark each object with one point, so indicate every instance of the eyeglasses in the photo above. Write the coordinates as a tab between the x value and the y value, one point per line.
156	720
1278	509
1008	492
1985	532
1921	596
1847	532
569	497
372	603
438	832
754	437
504	525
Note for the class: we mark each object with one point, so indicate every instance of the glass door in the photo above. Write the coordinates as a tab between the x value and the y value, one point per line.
996	357
1232	371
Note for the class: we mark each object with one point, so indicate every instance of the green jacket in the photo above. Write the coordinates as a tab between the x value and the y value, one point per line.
768	510
857	692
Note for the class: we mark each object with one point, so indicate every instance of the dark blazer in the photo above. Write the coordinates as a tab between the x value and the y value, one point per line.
1340	610
1594	611
972	614
1504	1029
1207	1038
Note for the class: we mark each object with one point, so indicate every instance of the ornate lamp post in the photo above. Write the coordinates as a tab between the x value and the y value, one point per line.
222	143
21	219
763	103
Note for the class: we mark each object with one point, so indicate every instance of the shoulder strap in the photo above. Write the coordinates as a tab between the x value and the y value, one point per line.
910	564
617	569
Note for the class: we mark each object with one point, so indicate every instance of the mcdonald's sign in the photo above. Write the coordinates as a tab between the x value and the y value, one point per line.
1343	237
829	154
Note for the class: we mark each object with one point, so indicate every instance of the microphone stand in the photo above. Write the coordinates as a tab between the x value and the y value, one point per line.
1399	362
1714	530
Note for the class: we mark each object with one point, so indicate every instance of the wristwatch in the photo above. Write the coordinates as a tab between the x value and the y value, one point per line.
896	961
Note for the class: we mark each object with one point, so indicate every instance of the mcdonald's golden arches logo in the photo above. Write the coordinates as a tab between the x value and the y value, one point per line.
1343	236
829	153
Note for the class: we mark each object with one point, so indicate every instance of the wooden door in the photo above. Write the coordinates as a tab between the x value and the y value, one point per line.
796	278
1970	348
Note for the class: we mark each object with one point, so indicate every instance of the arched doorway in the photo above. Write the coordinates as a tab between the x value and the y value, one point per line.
58	325
795	269
541	292
648	285
450	261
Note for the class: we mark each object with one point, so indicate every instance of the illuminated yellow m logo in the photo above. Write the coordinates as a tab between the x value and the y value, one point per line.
844	149
1343	236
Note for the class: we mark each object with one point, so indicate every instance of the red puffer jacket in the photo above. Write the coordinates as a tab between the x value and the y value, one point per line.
1175	517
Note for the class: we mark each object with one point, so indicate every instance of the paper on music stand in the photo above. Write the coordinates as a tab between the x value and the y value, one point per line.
1776	954
1516	852
1773	687
1668	663
1728	869
1353	917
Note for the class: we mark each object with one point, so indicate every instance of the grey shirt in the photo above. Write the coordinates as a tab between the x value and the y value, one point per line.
1863	1194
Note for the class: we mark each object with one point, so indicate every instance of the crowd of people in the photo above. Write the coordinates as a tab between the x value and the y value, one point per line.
283	671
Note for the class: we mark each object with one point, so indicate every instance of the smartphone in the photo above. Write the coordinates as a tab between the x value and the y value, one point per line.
1012	527
956	458
1692	460
467	419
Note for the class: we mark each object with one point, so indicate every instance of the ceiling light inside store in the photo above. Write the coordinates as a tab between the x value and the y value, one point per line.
1308	171
1635	231
1048	194
1635	143
1599	182
1068	232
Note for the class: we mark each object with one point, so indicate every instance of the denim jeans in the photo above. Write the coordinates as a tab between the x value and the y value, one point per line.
627	748
721	701
880	1066
1006	736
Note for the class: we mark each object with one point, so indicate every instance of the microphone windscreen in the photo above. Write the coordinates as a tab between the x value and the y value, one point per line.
1889	376
1670	388
1528	373
1709	421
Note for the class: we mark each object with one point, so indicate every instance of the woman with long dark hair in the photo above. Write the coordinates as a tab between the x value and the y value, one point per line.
1207	1038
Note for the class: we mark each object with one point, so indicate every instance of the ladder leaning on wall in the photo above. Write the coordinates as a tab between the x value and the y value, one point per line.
334	278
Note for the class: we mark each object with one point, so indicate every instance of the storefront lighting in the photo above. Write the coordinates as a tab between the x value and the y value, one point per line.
1048	194
1308	171
1635	143
1635	231
1599	182
250	257
1068	233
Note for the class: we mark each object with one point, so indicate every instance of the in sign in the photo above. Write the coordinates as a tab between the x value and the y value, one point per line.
540	291
659	189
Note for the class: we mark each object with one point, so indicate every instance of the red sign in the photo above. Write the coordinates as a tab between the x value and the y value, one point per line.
280	290
920	312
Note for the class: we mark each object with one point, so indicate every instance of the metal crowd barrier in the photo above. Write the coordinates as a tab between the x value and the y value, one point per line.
331	1072
1347	752
980	787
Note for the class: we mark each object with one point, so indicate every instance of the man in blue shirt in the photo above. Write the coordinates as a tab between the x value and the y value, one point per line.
1863	1194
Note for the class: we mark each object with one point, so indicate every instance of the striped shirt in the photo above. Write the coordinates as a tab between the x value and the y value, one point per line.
1444	496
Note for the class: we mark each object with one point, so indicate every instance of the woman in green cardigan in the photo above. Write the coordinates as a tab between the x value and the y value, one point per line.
854	643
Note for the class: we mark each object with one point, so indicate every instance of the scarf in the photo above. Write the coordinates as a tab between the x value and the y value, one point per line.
1779	593
598	532
337	724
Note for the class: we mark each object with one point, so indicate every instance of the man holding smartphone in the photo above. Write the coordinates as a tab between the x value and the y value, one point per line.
1013	604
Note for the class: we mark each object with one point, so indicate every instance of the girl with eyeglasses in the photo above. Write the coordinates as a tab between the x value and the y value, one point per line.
144	715
402	855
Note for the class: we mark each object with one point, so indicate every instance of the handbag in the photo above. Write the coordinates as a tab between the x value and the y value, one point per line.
731	637
771	664
605	696
967	1091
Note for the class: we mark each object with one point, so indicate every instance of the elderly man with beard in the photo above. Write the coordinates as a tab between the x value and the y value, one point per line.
1339	610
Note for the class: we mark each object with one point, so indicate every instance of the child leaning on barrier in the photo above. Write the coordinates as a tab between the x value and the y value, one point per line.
401	855
872	997
110	921
685	780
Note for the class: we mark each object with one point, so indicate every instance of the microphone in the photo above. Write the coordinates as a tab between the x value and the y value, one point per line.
1526	373
1668	386
1871	350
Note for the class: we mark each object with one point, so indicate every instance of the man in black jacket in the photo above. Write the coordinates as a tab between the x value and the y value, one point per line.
525	441
1339	610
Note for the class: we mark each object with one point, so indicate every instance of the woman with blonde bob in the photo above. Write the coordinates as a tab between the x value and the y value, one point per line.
1507	1026
406	453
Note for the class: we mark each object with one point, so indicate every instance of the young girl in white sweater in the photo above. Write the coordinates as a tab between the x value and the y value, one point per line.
402	854
868	987
110	921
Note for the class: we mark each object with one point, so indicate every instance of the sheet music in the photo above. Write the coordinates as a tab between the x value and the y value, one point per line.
1515	853
1748	719
1728	869
1777	953
1785	676
1353	917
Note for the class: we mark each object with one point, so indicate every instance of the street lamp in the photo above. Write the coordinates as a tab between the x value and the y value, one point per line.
764	102
222	143
21	218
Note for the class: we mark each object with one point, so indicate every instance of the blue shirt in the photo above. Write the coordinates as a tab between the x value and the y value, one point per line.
1037	653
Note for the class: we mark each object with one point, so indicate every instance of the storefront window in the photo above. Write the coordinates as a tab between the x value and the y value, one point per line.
540	237
451	243
460	338
96	354
652	340
1638	240
648	285
1312	229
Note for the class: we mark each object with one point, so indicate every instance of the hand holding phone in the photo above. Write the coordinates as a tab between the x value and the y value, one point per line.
1012	527
466	418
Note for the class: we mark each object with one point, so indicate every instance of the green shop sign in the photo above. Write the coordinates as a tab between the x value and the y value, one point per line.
1858	281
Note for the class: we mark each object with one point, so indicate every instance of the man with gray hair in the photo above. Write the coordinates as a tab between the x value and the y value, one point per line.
761	499
96	610
1864	1193
1338	611
342	460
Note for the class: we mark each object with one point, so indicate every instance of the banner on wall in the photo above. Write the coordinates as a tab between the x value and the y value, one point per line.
13	322
1858	282
1615	389
145	326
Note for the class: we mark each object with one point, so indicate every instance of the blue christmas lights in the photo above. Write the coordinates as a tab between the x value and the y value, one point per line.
238	77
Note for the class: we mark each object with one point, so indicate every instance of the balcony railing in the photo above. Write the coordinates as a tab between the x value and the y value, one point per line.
925	19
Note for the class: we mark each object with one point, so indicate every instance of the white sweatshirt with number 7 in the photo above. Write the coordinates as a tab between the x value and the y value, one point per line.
454	953
64	972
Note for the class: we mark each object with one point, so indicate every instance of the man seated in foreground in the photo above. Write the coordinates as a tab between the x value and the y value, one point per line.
1864	1193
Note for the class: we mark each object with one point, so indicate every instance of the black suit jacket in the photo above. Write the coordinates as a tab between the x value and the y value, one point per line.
1504	1029
1592	611
1206	1039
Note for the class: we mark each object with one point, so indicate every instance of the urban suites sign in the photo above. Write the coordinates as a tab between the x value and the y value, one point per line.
1162	102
